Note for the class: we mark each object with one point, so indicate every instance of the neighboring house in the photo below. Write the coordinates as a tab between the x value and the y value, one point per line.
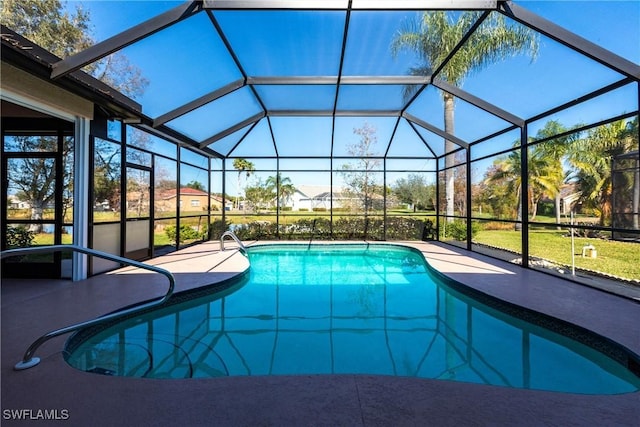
569	196
310	197
216	203
137	202
102	206
15	203
190	200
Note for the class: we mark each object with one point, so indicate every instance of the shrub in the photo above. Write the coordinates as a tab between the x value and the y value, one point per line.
458	229
186	233
586	232
19	237
546	208
344	228
257	230
306	228
356	228
428	230
170	231
218	227
401	228
496	225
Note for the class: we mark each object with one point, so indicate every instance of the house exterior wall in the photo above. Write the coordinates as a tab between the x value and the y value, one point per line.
309	202
188	202
26	85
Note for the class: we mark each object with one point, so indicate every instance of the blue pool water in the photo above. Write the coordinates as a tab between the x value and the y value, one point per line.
349	309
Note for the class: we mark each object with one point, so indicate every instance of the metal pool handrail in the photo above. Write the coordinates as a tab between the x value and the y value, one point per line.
234	237
28	360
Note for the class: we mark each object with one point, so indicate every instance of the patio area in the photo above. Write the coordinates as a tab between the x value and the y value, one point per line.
296	400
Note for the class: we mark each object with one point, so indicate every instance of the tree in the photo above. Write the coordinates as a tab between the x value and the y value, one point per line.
495	194
554	151
630	137
432	36
242	166
545	171
107	174
459	177
45	23
507	172
63	33
196	185
415	191
359	177
34	179
138	197
281	187
116	71
545	176
259	195
591	159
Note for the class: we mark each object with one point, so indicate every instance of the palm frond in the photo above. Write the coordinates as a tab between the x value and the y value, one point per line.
492	42
433	36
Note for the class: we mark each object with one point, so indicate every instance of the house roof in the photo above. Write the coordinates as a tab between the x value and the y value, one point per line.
328	194
184	191
315	191
569	189
32	58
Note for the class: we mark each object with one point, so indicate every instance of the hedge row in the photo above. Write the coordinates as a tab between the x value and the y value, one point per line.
372	228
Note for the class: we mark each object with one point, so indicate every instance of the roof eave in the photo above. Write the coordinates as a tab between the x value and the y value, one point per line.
28	56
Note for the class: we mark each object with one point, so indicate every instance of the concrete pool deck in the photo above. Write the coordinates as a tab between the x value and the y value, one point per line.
31	308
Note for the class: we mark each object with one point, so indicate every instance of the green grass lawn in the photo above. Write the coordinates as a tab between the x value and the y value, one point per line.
161	239
617	258
620	259
47	239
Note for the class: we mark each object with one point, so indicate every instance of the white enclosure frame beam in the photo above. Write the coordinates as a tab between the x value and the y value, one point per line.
436	130
232	129
197	103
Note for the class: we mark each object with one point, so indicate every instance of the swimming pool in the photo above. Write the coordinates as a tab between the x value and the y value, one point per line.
353	309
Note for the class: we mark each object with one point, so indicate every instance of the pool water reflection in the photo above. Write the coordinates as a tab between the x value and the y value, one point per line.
347	309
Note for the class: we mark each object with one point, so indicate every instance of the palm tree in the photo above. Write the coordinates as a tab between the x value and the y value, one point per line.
591	158
508	170
545	177
282	187
630	138
434	34
242	165
554	151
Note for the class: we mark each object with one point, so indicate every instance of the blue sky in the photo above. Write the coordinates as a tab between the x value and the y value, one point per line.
607	23
188	60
